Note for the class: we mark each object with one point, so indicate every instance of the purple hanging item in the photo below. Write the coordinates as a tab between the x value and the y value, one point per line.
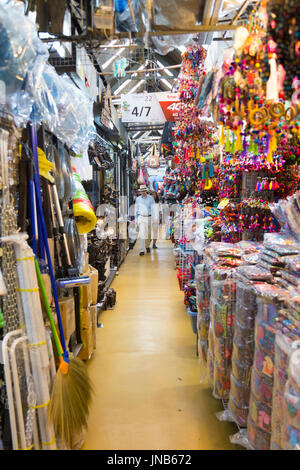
267	144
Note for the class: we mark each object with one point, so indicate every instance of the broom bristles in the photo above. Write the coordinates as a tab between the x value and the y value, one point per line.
71	396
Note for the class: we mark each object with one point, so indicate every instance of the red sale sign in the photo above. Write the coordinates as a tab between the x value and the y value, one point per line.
171	110
150	107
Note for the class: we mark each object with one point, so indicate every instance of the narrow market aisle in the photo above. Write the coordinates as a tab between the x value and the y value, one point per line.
145	370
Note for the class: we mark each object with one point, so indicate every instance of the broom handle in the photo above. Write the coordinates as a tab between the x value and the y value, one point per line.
45	237
49	313
44	234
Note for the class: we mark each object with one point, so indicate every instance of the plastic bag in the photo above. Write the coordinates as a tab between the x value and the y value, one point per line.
21	51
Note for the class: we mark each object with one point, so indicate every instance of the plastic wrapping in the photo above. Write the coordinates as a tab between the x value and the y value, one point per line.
287	214
283	348
125	21
222	312
255	273
202	302
291	431
210	355
269	301
294	264
21	52
75	124
34	91
241	439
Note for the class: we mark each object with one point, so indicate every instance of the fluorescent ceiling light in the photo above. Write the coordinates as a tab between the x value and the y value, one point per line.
109	61
60	49
168	84
140	68
45	35
110	43
166	70
122	86
136	86
137	133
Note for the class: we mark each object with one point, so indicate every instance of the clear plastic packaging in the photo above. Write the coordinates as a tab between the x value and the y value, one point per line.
291	431
239	392
239	415
210	356
255	273
241	439
21	52
222	313
259	427
261	388
260	415
283	349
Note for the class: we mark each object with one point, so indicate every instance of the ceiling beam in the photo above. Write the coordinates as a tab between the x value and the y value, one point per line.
140	72
239	13
177	32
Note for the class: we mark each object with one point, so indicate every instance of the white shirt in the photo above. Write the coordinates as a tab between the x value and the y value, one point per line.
143	205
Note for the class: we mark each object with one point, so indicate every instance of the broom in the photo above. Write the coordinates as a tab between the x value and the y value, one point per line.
71	386
71	392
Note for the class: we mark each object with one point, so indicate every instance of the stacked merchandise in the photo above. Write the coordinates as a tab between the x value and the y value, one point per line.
275	335
217	310
190	303
246	284
259	426
291	419
284	434
222	315
203	312
247	277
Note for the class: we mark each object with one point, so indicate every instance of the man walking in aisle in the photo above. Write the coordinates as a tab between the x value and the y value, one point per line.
143	207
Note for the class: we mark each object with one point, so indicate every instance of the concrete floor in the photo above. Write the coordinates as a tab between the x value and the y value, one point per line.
145	370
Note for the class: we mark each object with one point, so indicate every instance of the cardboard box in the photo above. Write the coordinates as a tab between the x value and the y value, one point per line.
90	291
85	317
94	275
67	311
85	268
87	340
94	319
86	295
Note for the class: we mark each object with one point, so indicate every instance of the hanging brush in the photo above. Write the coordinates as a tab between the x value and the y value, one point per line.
71	392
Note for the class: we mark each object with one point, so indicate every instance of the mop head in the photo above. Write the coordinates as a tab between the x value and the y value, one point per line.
71	396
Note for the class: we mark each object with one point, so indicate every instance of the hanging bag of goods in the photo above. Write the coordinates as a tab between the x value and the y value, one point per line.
82	208
141	178
153	161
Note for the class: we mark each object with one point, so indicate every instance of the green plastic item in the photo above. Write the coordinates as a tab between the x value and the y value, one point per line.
2	321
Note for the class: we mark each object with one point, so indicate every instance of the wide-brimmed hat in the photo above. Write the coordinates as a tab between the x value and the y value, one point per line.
143	188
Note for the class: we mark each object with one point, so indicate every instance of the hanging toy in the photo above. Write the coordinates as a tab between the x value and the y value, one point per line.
265	227
233	144
227	144
238	143
211	166
258	185
222	138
